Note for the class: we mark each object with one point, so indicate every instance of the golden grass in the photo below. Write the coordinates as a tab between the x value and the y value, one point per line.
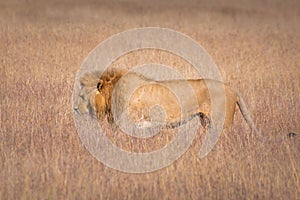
41	155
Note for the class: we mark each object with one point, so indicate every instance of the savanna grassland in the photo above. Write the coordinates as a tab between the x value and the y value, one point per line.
255	44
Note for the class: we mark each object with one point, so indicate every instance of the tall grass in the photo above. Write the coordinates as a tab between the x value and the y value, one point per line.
42	157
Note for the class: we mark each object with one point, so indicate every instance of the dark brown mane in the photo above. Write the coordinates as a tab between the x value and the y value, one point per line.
105	86
109	78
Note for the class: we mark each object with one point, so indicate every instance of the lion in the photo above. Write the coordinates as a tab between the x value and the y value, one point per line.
150	101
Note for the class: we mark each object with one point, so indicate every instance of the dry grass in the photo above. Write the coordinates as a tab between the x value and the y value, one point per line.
42	46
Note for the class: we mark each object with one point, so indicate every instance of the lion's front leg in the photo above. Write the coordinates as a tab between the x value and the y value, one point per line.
204	120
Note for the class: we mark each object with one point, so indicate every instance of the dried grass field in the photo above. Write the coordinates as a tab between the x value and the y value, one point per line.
255	44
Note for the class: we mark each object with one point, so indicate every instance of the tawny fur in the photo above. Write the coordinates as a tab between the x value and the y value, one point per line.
151	93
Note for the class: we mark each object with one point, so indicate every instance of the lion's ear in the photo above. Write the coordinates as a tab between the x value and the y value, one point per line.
99	85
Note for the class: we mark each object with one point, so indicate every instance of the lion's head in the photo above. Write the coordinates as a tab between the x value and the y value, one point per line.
95	94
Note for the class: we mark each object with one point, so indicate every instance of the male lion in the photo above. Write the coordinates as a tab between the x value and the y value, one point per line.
172	101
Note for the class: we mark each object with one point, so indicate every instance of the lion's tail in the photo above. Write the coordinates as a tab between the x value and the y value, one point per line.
245	113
